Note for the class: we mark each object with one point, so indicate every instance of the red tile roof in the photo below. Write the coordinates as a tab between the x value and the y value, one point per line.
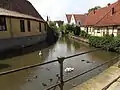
80	17
8	13
111	19
68	17
96	16
22	6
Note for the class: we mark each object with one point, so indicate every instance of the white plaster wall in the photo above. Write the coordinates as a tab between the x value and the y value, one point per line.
110	31
115	32
72	21
82	28
93	31
97	34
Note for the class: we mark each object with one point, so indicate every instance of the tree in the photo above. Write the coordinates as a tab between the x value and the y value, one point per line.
77	31
95	8
62	29
69	28
53	25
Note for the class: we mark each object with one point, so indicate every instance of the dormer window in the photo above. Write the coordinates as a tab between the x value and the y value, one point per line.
113	10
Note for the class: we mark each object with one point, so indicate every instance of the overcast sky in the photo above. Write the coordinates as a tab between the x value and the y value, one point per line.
56	9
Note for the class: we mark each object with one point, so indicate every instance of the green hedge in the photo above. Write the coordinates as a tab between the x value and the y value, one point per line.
84	34
77	31
108	42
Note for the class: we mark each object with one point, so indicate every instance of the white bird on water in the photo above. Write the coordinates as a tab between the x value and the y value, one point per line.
69	69
40	53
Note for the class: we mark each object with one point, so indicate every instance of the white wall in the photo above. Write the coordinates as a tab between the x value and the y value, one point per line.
100	31
72	21
82	28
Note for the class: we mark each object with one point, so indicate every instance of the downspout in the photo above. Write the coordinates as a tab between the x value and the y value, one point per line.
11	32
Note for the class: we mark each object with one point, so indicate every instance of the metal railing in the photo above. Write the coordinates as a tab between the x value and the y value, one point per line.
60	60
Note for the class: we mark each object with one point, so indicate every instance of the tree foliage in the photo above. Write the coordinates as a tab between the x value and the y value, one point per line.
52	25
84	34
95	8
69	28
77	31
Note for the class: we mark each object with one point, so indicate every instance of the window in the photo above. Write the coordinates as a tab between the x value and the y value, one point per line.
28	25
98	31
114	27
118	32
39	27
22	26
3	24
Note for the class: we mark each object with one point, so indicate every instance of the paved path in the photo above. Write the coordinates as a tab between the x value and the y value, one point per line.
102	80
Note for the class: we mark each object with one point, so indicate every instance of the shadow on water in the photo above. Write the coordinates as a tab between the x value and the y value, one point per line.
24	50
3	66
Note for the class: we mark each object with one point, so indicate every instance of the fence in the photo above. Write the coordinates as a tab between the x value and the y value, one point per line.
60	60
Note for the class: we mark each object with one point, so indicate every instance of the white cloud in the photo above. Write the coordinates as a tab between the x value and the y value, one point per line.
57	9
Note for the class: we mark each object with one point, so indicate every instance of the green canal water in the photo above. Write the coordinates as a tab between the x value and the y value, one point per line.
33	79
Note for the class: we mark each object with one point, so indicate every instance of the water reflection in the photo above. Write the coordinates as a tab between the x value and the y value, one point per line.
40	77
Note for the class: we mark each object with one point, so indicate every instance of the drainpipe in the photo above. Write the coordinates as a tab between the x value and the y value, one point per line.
11	30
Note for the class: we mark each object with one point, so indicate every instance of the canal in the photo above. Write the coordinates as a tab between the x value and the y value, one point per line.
37	78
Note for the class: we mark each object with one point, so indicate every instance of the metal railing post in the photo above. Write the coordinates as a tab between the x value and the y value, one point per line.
61	60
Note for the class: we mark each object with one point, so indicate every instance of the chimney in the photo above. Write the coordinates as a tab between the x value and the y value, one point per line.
108	4
113	10
47	18
94	11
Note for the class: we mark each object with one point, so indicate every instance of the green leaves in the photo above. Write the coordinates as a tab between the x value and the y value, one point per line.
108	42
77	31
95	8
84	34
53	25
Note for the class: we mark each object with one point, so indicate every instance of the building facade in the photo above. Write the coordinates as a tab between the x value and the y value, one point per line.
20	30
103	21
76	19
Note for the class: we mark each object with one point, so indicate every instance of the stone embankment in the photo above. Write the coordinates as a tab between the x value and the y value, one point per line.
80	39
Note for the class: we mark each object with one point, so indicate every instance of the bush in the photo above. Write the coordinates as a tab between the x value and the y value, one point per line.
53	26
108	43
69	28
84	34
77	31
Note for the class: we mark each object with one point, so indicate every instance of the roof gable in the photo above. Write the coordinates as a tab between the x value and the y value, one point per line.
80	18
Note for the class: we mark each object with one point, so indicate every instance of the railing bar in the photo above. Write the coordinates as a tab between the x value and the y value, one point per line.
40	64
82	53
27	67
83	73
91	69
